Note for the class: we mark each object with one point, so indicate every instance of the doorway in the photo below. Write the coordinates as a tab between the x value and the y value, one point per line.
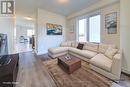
23	35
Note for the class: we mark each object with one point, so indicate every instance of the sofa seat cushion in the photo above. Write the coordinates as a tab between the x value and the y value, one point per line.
58	50
84	53
102	61
74	50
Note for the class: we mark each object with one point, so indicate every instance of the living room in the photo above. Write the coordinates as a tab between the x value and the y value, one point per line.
92	35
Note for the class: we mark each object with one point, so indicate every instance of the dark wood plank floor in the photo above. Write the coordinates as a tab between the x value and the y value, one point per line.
32	72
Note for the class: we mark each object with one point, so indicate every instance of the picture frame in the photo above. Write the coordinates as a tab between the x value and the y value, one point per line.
54	29
111	23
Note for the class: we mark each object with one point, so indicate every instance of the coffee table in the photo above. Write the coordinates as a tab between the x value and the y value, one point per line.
69	64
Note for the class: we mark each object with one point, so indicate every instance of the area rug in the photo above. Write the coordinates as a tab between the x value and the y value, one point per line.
83	77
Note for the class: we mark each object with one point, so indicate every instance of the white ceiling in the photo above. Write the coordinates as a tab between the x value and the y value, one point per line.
30	6
20	21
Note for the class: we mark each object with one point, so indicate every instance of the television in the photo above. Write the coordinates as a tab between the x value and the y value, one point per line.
3	49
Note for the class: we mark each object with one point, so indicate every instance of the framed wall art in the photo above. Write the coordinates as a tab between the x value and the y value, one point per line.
54	29
111	23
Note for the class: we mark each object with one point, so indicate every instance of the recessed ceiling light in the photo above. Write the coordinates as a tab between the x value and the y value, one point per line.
28	18
63	1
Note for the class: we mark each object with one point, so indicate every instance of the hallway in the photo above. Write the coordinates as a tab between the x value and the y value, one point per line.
23	47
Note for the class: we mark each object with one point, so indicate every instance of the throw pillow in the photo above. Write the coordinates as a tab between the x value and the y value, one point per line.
104	47
110	52
80	46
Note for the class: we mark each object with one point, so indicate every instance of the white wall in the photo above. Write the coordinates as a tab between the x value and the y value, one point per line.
105	37
125	33
45	41
7	26
71	25
110	38
98	5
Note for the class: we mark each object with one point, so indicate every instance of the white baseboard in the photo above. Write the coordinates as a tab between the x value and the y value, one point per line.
41	53
125	71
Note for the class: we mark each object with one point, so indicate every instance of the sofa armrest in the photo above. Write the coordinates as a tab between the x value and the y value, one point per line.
116	65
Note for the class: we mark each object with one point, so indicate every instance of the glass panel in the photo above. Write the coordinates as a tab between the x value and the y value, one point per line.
94	29
82	30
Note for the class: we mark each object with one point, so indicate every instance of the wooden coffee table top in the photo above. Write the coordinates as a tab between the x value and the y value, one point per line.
69	61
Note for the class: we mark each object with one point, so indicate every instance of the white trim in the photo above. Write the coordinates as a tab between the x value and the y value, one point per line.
77	25
40	53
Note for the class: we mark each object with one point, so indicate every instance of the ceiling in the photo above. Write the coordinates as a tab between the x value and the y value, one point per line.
22	21
30	6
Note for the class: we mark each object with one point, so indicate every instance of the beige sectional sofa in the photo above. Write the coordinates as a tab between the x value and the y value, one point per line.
104	59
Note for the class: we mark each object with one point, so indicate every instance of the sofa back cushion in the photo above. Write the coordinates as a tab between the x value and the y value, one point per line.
103	47
91	47
66	44
110	52
74	44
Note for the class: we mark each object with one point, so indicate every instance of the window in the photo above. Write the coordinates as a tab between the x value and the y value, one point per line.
94	29
29	33
88	29
82	30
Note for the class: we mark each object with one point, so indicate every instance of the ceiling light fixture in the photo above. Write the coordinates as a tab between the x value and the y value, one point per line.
28	18
63	1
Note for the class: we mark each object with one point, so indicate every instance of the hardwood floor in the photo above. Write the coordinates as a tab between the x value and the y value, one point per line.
32	72
124	82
